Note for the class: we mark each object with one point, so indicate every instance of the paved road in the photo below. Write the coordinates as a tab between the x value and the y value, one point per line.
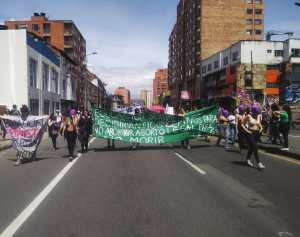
151	192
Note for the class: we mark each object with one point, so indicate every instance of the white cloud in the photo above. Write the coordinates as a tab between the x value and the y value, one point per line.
133	78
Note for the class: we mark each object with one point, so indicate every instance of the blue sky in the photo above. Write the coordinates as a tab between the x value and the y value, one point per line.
131	36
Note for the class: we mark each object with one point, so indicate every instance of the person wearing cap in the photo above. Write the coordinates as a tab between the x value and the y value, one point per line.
69	131
252	127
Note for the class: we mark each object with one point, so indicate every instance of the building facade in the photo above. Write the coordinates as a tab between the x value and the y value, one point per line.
63	35
146	96
31	73
253	69
203	28
124	93
160	85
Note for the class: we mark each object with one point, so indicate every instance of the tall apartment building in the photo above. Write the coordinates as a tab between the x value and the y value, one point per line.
160	85
61	34
202	28
146	96
124	93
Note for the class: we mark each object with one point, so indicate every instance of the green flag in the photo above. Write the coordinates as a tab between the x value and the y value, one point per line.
154	128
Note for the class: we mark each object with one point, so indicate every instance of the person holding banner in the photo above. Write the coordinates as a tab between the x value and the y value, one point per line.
26	133
69	131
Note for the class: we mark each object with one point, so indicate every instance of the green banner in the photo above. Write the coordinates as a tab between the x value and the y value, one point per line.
154	128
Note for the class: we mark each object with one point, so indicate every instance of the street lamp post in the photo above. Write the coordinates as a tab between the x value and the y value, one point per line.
85	74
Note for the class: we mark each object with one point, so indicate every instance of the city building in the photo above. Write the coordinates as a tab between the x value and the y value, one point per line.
32	73
124	94
63	35
95	93
146	96
203	28
3	27
253	69
160	85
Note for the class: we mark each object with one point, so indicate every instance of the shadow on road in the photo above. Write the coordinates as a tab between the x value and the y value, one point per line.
144	148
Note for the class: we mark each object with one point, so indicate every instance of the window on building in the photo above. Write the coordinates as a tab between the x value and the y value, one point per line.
272	85
296	53
258	11
296	67
278	53
249	21
209	67
21	26
258	21
46	108
249	11
64	88
225	61
35	27
204	69
249	32
249	1
47	28
45	70
258	1
73	85
216	64
235	56
54	80
33	72
269	51
47	39
258	32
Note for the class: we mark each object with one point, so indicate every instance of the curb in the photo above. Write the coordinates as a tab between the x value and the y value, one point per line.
5	147
277	151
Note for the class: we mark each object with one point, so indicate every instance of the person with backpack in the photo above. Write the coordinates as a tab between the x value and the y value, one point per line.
69	131
53	129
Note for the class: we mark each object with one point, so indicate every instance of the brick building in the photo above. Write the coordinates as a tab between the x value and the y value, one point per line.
63	35
124	93
204	28
160	85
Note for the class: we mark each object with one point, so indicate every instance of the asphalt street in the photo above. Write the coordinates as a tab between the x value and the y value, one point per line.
152	191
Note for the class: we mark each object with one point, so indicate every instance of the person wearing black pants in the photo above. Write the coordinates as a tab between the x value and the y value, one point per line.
85	130
284	126
252	127
53	129
70	132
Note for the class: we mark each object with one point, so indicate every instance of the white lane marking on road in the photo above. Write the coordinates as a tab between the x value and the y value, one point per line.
294	136
26	213
190	164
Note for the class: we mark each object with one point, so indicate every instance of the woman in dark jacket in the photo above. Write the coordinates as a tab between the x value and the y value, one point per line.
53	129
85	130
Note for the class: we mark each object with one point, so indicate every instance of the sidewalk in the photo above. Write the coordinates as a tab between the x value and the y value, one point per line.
294	142
4	144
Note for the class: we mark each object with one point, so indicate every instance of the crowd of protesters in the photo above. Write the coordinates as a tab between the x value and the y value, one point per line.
246	124
72	126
